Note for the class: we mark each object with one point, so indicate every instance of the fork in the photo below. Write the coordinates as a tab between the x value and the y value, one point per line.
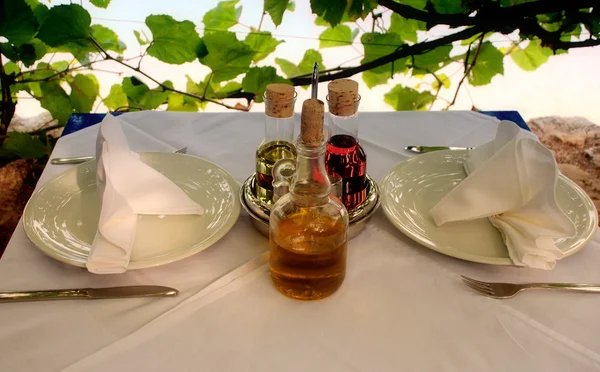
83	159
508	290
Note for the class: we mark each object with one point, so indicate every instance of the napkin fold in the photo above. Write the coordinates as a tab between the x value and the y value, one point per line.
511	181
127	188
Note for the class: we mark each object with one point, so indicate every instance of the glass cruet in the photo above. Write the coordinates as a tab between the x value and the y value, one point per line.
308	226
278	139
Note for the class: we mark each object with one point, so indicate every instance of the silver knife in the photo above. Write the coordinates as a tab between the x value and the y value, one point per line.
77	160
89	293
423	149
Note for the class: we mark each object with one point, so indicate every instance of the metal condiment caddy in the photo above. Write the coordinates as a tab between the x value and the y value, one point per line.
259	210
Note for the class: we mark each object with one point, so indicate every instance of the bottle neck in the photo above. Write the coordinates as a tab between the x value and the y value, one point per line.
343	125
311	184
279	129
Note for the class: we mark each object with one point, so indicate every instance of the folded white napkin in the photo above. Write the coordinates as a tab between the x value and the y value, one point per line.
127	187
511	180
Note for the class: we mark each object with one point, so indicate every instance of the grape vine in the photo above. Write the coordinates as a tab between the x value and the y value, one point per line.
31	32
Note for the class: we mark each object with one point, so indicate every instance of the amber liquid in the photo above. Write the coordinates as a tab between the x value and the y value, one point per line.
346	158
308	255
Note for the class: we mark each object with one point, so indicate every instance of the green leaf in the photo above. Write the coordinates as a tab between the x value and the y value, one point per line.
156	97
39	10
331	11
449	6
378	45
340	35
445	82
24	145
257	79
474	38
406	28
144	41
55	99
84	90
304	67
417	4
433	60
11	68
360	9
107	38
262	43
100	3
60	66
372	79
66	23
116	98
172	41
403	98
489	63
276	8
532	57
514	2
227	56
17	22
135	90
291	6
179	102
27	53
221	18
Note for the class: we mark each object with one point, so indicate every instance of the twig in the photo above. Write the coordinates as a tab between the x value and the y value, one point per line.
210	76
491	15
143	55
8	106
467	71
262	17
404	50
163	86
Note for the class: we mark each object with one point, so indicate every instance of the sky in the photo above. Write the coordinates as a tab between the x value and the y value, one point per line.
567	85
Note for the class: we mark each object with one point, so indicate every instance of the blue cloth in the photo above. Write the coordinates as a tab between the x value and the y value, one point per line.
79	121
513	116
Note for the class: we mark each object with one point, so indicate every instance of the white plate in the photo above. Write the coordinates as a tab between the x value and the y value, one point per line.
414	186
61	218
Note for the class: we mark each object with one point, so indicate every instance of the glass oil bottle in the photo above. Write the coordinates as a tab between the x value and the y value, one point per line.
345	157
278	141
309	227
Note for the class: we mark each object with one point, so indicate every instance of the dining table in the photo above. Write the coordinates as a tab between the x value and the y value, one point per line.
402	306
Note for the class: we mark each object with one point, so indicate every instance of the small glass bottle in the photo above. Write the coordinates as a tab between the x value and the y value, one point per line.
278	141
309	227
345	156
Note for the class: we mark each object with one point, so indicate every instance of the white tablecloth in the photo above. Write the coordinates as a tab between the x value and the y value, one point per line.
401	307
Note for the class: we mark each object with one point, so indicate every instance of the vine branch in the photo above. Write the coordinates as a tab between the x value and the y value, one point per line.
467	71
163	86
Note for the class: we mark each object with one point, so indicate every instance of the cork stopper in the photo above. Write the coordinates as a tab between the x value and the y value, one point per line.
311	128
279	100
343	97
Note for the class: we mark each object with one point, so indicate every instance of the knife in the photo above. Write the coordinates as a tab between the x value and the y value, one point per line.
89	293
77	160
424	149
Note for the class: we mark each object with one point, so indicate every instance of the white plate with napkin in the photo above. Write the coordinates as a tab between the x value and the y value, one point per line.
146	209
513	183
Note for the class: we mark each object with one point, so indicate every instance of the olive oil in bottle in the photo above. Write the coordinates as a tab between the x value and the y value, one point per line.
279	134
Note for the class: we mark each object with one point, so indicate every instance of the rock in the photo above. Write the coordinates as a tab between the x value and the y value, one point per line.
593	153
31	124
14	193
575	144
575	131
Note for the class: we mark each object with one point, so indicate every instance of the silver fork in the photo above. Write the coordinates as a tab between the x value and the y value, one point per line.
83	159
508	290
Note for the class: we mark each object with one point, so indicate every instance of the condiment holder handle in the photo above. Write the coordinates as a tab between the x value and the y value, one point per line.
283	172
